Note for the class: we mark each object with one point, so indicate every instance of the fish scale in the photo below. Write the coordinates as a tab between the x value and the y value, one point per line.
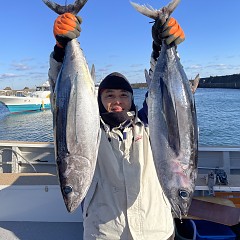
172	121
76	120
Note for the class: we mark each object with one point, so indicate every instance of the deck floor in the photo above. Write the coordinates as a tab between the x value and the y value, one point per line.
41	230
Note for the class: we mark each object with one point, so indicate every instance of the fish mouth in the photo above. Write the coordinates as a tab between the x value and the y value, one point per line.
71	205
179	210
71	208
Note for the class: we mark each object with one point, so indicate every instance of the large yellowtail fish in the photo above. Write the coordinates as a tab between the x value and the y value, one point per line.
172	121
75	119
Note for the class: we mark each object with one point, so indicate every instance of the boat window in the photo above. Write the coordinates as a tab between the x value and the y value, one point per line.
43	88
20	94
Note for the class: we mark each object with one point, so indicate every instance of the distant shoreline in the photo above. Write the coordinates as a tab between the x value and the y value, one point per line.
228	81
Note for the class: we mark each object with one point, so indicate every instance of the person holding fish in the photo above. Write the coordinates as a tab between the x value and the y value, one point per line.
125	199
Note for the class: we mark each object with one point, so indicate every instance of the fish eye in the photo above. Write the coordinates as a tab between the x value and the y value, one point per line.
184	194
67	190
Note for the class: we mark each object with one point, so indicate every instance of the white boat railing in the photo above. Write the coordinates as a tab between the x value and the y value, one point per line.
216	157
25	156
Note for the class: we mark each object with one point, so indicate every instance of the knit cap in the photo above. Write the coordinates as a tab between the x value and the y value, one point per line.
115	80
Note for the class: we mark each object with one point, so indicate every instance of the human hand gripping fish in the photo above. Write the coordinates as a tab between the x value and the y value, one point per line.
76	119
172	120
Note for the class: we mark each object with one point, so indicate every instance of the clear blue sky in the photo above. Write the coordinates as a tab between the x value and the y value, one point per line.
117	38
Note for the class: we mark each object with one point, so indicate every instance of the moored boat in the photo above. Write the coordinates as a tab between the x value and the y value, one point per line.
33	101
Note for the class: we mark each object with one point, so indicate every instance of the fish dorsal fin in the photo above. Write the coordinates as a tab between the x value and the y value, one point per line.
71	8
195	83
93	73
148	78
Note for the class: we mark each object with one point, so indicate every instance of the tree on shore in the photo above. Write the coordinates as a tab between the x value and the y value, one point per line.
7	88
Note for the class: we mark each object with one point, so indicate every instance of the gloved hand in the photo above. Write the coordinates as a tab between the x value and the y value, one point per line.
170	31
66	27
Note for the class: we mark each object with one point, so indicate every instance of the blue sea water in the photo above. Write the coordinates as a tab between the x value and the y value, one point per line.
218	112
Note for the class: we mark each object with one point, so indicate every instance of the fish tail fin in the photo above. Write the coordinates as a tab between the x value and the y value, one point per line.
162	13
71	8
146	10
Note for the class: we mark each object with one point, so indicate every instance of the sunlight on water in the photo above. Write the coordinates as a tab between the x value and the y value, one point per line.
218	119
218	116
32	126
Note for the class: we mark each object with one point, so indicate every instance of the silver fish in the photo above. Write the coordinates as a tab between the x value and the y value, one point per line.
172	121
76	120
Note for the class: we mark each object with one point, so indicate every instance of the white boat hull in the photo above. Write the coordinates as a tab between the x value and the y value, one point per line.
20	101
20	104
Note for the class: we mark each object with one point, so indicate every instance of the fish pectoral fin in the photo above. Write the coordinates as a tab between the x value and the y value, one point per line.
171	118
71	117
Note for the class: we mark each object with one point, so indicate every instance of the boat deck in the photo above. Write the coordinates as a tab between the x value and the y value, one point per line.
35	225
11	179
41	230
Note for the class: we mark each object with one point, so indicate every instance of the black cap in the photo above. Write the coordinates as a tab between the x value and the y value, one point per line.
115	80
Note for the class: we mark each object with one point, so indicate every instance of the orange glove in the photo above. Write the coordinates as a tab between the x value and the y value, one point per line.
66	27
170	31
